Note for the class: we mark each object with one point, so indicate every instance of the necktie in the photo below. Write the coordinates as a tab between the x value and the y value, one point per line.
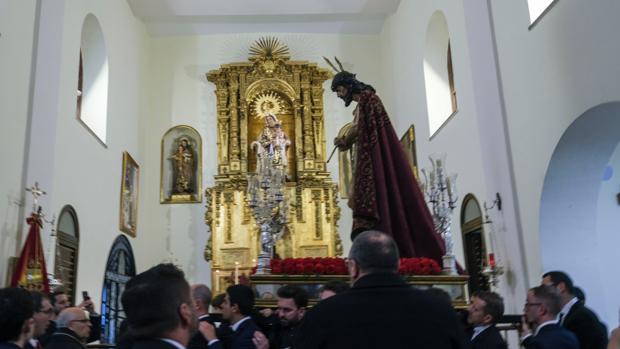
560	318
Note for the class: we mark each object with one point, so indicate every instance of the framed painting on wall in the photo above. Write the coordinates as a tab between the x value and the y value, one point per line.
128	215
181	166
408	143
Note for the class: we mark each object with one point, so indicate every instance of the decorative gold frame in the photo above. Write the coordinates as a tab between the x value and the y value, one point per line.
167	139
297	86
130	184
408	142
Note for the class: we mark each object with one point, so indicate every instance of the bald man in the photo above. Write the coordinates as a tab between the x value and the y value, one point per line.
73	330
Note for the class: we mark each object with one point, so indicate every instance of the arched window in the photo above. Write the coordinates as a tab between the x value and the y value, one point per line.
439	73
537	8
451	79
92	91
473	242
67	247
119	269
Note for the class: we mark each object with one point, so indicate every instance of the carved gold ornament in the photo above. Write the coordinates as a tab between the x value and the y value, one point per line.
270	48
267	103
269	82
270	52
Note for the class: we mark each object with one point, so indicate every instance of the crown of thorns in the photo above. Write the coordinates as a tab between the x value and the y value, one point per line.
333	66
342	77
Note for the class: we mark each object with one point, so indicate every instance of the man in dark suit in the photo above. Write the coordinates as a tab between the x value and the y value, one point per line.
380	310
485	308
541	309
201	296
43	314
237	308
16	323
574	315
73	330
60	301
160	313
292	304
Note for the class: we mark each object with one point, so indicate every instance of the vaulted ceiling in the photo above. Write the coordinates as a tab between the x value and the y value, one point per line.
195	17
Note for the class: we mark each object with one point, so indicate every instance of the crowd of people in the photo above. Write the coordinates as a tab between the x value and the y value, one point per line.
379	310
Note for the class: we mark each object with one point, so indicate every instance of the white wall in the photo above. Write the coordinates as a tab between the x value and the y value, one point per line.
180	94
551	74
17	26
82	172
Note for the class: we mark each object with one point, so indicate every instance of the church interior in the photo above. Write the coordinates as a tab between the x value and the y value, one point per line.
140	121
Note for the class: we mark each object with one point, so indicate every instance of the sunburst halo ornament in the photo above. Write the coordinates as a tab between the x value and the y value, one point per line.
267	103
268	48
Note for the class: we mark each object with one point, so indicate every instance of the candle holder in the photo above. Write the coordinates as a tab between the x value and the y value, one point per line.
493	269
493	272
267	200
440	191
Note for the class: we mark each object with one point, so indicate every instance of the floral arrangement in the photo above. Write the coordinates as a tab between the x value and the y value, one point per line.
419	266
309	265
337	266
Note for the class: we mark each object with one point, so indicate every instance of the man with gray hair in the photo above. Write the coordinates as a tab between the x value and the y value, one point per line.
380	310
541	308
201	297
73	329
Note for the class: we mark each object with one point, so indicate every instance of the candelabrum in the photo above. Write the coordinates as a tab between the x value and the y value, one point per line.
440	191
493	270
267	199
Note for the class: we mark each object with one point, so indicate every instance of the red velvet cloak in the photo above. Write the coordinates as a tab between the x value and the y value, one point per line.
386	195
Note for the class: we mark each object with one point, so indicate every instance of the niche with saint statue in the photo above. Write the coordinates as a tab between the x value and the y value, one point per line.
181	166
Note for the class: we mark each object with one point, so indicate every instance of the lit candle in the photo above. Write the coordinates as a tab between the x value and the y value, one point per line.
217	281
492	260
236	273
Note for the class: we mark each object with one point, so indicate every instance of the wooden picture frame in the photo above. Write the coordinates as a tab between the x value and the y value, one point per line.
181	166
130	179
408	143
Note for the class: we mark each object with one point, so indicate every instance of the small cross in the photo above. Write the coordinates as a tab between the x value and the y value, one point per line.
36	192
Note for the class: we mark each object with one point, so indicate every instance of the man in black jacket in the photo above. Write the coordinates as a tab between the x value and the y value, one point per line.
236	309
574	315
541	308
485	308
160	313
201	296
292	304
73	330
43	314
60	301
16	323
380	310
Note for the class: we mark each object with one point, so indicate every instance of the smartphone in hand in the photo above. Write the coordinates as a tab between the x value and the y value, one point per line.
85	296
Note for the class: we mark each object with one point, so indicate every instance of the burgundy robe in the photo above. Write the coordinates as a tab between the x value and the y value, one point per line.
386	195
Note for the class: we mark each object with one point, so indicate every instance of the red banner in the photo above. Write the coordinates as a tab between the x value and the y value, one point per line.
30	272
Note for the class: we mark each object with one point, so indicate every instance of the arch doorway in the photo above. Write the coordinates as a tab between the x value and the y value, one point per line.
67	248
580	205
473	243
120	267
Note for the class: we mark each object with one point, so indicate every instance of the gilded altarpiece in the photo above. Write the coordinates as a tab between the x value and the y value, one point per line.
245	92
